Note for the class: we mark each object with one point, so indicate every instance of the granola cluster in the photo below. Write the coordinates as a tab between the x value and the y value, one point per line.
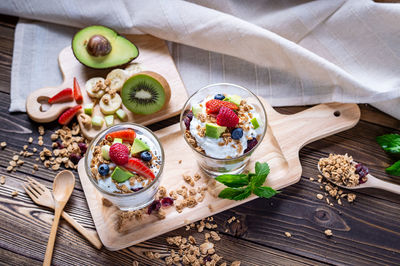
191	196
126	217
68	147
339	169
189	251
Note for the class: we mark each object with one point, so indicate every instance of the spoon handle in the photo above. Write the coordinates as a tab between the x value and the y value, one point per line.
50	243
388	186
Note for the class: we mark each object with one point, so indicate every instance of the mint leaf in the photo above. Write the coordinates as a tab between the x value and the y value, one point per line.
233	180
390	143
235	193
265	192
394	169
262	170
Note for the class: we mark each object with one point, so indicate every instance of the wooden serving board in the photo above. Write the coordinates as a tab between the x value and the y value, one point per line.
286	135
153	56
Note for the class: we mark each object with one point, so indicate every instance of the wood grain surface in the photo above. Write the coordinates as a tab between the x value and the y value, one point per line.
366	232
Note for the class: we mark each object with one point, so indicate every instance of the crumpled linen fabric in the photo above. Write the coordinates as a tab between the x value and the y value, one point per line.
290	52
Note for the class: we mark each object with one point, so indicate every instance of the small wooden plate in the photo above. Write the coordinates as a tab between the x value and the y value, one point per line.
154	56
286	135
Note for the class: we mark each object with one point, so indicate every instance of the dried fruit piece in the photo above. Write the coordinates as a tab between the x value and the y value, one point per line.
251	144
67	116
167	201
154	206
65	95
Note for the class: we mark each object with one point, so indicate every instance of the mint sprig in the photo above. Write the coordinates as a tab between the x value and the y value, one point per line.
241	186
391	144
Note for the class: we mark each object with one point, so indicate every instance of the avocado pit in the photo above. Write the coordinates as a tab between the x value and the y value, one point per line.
98	45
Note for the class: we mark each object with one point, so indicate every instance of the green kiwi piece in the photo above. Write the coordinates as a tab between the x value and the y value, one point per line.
145	93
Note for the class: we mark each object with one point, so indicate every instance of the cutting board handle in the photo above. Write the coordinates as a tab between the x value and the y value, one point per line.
316	123
39	110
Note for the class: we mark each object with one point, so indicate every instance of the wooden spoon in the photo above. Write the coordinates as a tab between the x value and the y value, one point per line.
372	182
63	186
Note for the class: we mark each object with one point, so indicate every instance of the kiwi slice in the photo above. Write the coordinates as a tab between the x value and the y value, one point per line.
145	93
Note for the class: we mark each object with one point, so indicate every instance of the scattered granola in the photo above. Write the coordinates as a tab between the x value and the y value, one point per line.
320	196
328	232
2	180
194	252
14	193
3	144
288	234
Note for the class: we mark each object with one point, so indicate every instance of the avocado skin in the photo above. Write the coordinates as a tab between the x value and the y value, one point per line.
122	65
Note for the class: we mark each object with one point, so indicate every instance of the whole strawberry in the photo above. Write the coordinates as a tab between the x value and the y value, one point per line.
213	106
119	153
227	118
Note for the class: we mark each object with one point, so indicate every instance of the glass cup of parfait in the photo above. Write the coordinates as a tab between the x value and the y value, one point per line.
223	124
125	163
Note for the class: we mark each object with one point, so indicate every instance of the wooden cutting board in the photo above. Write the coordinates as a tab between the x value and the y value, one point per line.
153	56
286	135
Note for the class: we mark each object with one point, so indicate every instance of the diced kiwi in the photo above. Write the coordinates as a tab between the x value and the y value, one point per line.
236	99
88	108
105	152
255	123
145	93
214	130
117	140
97	121
139	146
121	114
120	175
196	109
109	120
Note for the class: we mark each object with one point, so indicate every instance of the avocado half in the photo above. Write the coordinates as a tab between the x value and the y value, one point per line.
101	47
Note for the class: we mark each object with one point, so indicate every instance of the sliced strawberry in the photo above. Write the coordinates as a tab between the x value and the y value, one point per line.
65	95
137	166
127	135
214	105
77	92
67	116
227	118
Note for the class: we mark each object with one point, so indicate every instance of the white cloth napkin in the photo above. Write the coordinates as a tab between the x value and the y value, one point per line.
291	52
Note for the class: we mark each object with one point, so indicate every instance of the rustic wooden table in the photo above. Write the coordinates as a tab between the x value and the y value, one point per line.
364	232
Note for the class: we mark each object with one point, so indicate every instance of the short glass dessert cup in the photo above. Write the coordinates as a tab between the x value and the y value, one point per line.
138	199
210	165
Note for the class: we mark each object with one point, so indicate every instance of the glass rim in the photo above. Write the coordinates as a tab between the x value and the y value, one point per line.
183	129
123	195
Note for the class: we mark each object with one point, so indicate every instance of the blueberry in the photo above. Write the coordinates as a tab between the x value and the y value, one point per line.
104	169
219	96
146	156
237	133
